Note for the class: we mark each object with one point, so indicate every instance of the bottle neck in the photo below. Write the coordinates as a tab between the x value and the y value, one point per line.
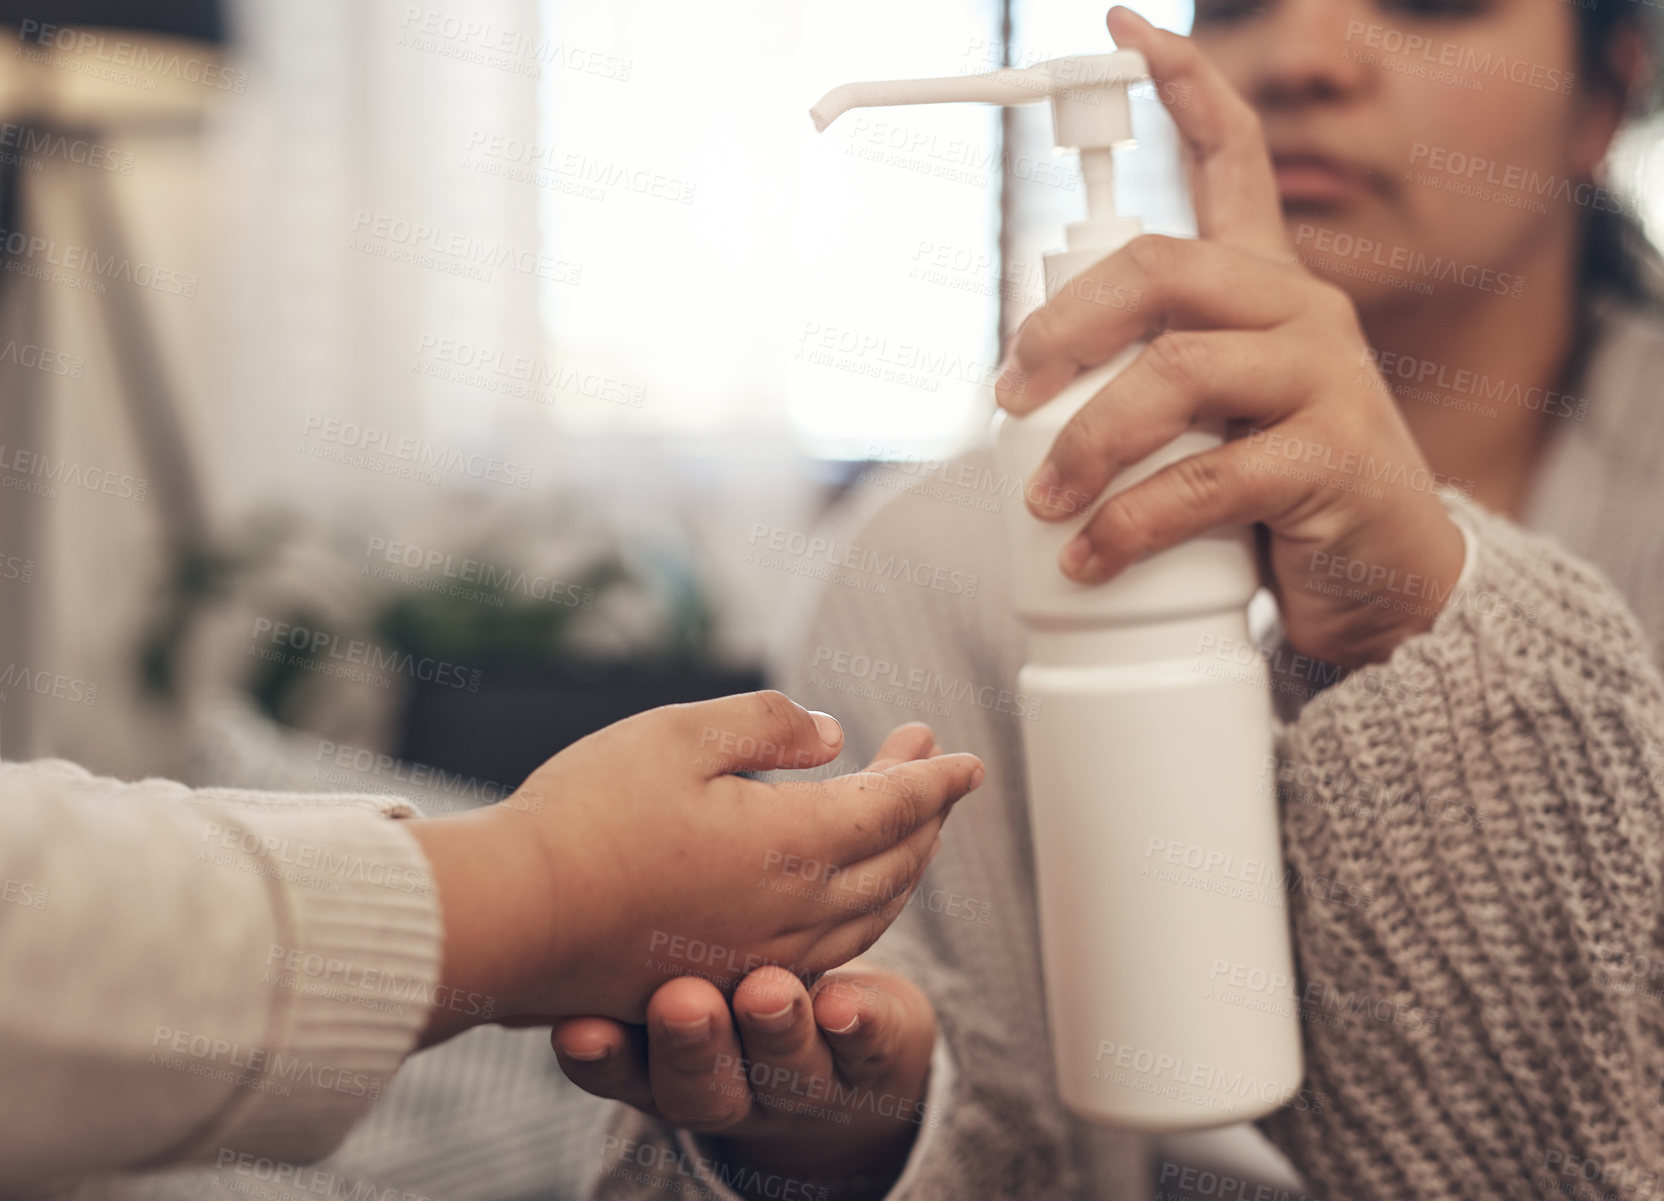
1088	242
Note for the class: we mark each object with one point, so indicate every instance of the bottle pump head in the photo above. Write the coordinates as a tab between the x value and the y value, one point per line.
1090	114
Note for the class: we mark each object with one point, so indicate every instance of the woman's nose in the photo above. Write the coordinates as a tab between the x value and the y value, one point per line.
1310	52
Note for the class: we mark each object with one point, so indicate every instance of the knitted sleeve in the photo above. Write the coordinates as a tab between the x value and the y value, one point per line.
1489	1024
212	976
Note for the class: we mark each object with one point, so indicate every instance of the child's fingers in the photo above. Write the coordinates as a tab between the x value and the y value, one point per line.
904	743
753	731
869	812
692	1053
605	1058
873	893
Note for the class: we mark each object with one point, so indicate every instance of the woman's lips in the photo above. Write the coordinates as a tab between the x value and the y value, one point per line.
1316	179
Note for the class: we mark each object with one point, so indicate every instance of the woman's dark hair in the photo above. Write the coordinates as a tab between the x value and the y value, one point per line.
1617	257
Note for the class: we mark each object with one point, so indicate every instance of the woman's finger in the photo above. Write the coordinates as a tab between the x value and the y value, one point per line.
1181	501
1179	283
605	1058
1231	180
867	1027
1179	378
787	1065
691	1045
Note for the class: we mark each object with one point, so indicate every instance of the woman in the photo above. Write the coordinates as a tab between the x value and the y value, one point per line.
1483	792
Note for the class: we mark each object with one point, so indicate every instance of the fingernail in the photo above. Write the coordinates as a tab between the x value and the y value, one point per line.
831	733
689	1033
1043	489
781	1019
849	1029
1076	555
977	776
594	1056
1011	384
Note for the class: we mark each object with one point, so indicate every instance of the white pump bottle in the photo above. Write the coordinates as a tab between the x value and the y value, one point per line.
1164	932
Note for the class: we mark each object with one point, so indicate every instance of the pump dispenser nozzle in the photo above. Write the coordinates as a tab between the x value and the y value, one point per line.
1088	93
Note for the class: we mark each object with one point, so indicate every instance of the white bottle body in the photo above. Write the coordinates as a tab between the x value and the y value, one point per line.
1163	913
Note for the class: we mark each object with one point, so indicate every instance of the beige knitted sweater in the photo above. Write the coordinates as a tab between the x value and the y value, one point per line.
1483	983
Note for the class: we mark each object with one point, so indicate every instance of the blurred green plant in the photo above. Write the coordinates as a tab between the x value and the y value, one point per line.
481	624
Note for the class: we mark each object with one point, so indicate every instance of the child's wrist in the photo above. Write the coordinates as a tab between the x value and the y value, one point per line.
500	951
